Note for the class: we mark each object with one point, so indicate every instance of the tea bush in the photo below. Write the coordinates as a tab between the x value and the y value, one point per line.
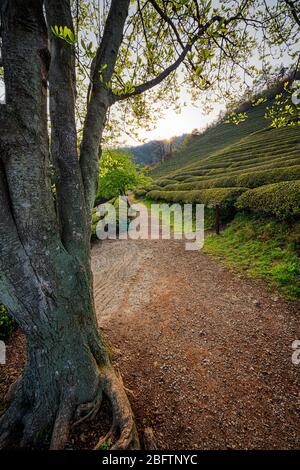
281	200
226	197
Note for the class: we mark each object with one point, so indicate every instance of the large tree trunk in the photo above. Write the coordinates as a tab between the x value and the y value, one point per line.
45	277
67	373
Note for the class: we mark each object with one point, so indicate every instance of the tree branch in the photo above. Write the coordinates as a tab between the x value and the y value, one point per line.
100	96
186	49
291	4
73	217
197	9
157	80
168	20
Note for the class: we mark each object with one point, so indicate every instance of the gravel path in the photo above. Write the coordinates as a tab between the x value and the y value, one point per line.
206	353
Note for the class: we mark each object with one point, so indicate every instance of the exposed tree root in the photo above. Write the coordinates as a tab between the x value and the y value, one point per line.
107	439
88	411
123	433
62	426
32	421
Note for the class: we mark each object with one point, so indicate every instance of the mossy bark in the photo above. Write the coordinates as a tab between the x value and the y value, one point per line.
45	276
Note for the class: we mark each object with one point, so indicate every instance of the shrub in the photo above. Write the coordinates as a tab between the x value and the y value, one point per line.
279	199
96	218
259	178
7	323
140	192
164	182
250	179
118	174
226	197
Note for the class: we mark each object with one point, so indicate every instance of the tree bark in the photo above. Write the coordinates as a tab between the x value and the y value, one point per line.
73	215
45	277
101	96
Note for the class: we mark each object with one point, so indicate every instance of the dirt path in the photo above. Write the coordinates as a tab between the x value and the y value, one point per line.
206	353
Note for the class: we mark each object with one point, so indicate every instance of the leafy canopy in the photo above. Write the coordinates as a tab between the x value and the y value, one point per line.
118	174
213	49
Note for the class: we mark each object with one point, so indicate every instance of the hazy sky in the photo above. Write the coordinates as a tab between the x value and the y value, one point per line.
192	116
172	123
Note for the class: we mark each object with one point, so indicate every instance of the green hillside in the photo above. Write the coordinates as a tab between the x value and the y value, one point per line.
258	153
261	158
253	172
212	140
229	156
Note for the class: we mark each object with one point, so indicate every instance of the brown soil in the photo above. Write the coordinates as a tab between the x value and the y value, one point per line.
205	353
15	360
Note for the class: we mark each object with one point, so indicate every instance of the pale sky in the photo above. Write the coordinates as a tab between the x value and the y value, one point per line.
172	123
192	116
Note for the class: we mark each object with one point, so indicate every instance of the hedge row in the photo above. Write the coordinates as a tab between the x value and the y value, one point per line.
151	188
140	192
259	178
241	170
198	185
248	163
226	197
164	181
281	200
253	164
245	180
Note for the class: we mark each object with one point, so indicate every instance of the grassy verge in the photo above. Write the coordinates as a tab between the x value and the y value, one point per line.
261	247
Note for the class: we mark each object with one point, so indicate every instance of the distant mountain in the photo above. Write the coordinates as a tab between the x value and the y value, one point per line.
155	151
